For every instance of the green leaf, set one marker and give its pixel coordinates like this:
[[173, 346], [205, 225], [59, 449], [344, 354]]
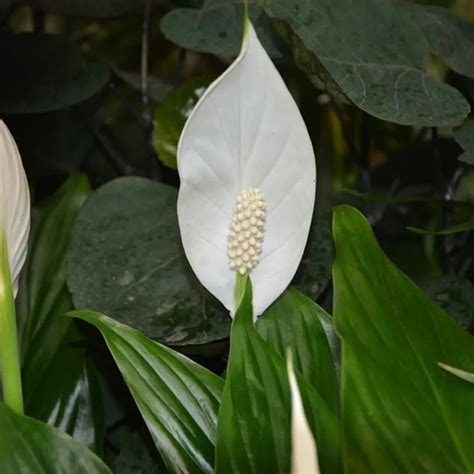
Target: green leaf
[[171, 115], [45, 72], [30, 446], [295, 322], [253, 431], [89, 8], [216, 28], [465, 137], [379, 71], [177, 398], [449, 37], [43, 297], [127, 261], [400, 412], [71, 399]]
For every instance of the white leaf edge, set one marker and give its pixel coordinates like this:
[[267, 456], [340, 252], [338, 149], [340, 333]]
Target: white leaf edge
[[304, 455], [246, 131], [14, 204]]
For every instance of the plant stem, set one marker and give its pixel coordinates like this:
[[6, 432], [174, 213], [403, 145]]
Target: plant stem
[[9, 355]]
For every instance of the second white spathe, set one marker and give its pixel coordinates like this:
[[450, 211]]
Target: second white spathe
[[14, 204]]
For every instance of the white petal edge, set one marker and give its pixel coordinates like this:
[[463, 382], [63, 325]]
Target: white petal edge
[[246, 131], [304, 457], [14, 204]]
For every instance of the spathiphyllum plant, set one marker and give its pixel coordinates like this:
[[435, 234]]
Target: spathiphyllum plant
[[14, 229], [248, 180]]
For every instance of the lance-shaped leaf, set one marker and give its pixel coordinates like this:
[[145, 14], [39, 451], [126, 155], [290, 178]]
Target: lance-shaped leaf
[[303, 446], [245, 133], [14, 204]]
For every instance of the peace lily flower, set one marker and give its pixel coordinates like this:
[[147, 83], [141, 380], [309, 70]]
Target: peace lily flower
[[304, 457], [248, 180], [14, 230], [14, 204]]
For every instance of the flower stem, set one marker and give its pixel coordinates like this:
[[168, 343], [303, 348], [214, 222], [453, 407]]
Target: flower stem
[[9, 356], [239, 288]]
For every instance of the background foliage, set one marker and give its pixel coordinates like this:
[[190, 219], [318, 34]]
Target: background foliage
[[96, 94]]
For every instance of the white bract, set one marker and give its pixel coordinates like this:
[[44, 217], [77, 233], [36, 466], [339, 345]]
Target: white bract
[[248, 180], [304, 457], [14, 205]]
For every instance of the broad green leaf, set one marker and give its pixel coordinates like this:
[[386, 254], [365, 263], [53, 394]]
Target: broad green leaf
[[217, 28], [400, 412], [462, 374], [177, 398], [170, 117], [43, 297], [127, 261], [45, 72], [71, 399], [253, 431], [380, 72], [449, 37], [465, 137], [89, 8], [296, 322], [30, 446]]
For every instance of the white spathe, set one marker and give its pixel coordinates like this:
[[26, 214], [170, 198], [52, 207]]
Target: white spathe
[[246, 132], [304, 457], [14, 204]]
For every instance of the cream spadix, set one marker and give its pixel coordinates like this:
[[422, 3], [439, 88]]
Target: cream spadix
[[14, 204], [246, 139], [304, 457]]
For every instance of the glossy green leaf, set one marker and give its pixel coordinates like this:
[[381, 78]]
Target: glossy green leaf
[[449, 37], [380, 72], [400, 412], [43, 298], [296, 322], [71, 400], [465, 137], [170, 117], [45, 72], [178, 399], [127, 261], [217, 28], [30, 446], [253, 431]]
